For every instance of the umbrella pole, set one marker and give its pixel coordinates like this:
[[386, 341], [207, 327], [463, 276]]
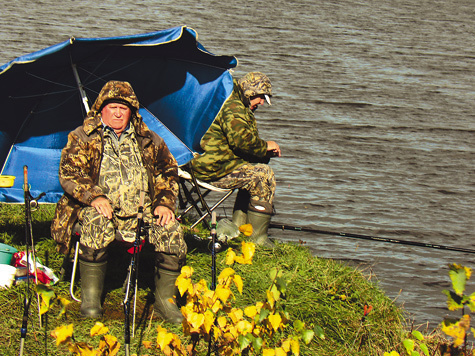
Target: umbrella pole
[[80, 87]]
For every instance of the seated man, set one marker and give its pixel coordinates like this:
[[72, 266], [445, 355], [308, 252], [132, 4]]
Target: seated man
[[105, 165], [236, 157]]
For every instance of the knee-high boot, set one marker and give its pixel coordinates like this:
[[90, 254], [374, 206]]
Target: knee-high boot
[[259, 215], [166, 291], [240, 208], [92, 285]]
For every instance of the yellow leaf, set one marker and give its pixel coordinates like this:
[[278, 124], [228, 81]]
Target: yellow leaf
[[270, 298], [244, 327], [275, 321], [183, 284], [187, 271], [201, 287], [209, 320], [196, 320], [268, 352], [225, 273], [81, 348], [286, 345], [44, 308], [222, 322], [251, 311], [222, 293], [280, 352], [217, 306], [236, 315], [238, 282], [161, 329], [164, 339], [109, 344], [99, 329], [64, 303], [295, 347], [62, 334], [248, 249], [457, 330], [246, 229], [176, 341], [230, 256]]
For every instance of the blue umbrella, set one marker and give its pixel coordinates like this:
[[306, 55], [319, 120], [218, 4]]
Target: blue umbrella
[[46, 94]]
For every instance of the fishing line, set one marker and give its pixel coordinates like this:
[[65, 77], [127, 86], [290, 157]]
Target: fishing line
[[366, 237]]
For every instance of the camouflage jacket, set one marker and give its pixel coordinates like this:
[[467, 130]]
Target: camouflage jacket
[[80, 167], [231, 141]]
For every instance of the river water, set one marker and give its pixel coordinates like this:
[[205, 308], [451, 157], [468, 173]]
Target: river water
[[374, 110]]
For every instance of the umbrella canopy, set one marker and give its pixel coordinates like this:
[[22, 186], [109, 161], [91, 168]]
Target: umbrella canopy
[[46, 94]]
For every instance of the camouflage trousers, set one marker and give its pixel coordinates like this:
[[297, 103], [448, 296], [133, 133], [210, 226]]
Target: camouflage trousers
[[98, 232], [258, 179]]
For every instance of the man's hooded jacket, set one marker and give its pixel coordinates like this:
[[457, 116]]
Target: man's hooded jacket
[[81, 161]]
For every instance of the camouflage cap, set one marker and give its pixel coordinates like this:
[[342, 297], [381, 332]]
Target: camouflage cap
[[256, 83], [116, 91]]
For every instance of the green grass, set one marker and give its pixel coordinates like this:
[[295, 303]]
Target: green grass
[[321, 292]]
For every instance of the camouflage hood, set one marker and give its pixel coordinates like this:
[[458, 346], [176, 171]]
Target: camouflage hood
[[112, 91], [255, 83], [115, 91]]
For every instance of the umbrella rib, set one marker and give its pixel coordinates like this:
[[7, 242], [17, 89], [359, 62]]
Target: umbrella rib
[[51, 81], [96, 77]]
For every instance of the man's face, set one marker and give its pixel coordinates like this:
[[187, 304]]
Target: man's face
[[255, 101], [116, 116]]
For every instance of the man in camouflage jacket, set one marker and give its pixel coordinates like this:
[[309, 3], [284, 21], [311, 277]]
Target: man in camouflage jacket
[[106, 164], [236, 157]]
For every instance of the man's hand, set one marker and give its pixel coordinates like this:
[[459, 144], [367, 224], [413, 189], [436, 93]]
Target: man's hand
[[273, 148], [163, 215], [102, 206]]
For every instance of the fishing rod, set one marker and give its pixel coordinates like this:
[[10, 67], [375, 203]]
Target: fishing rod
[[30, 202], [131, 287], [212, 345], [373, 238]]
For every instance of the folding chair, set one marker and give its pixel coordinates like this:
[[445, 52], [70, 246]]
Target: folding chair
[[195, 198]]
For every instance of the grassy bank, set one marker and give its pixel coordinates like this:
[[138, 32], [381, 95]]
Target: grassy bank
[[324, 294]]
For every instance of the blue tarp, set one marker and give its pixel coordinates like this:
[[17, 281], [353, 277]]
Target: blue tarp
[[180, 85]]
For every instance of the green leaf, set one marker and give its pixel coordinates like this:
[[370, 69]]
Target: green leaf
[[281, 284], [274, 273], [307, 336], [415, 353], [319, 332], [263, 315], [418, 335], [458, 275], [471, 302], [409, 345], [298, 325], [257, 343], [424, 349], [47, 297], [244, 341], [275, 292]]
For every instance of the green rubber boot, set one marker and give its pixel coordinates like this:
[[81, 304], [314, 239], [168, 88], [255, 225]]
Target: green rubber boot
[[165, 290], [92, 285], [240, 208], [260, 224], [239, 218]]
